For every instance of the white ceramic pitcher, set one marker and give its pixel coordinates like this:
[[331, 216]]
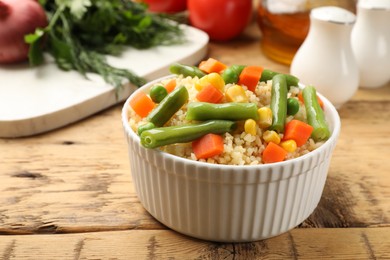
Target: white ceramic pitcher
[[325, 59], [371, 42]]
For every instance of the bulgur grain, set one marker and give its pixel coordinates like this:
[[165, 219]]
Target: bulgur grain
[[240, 148]]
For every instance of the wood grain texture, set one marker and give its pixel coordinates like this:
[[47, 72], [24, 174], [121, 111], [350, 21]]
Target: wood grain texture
[[363, 243], [76, 180], [48, 180]]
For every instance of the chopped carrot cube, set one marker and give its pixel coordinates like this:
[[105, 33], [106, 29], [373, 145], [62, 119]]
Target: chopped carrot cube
[[208, 146], [142, 104], [298, 131], [250, 77], [212, 65], [171, 85], [273, 153], [210, 94]]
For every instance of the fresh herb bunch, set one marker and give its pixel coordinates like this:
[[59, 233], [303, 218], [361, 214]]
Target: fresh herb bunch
[[81, 32]]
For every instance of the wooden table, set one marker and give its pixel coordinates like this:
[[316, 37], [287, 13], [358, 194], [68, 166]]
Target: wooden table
[[68, 194]]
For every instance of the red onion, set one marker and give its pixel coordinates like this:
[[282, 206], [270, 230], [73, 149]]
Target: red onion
[[18, 18]]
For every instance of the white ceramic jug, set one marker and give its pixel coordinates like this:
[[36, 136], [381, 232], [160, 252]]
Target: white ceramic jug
[[371, 42], [325, 59]]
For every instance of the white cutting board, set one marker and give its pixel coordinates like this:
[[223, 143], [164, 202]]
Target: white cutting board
[[37, 100]]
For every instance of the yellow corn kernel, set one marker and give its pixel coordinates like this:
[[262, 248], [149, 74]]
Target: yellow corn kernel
[[214, 79], [265, 117], [250, 126], [271, 136], [289, 145], [236, 94]]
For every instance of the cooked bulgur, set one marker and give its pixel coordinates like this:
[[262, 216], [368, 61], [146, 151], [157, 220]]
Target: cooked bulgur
[[240, 148]]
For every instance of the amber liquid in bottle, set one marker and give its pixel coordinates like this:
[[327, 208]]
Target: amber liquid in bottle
[[282, 33]]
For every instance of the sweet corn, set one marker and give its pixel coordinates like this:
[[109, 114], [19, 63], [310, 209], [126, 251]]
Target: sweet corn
[[236, 94], [250, 126], [265, 117], [271, 136], [214, 79], [289, 145]]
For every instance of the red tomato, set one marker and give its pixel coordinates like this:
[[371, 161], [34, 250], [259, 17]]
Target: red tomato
[[166, 6], [221, 19]]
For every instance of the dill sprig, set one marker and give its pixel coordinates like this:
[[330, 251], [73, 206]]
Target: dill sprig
[[82, 32]]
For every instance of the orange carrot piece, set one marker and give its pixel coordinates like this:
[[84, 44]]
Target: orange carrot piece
[[250, 76], [171, 85], [212, 65], [208, 146], [298, 131], [273, 153], [320, 102], [210, 94], [142, 104]]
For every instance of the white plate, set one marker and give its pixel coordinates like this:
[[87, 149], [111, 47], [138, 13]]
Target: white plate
[[37, 100]]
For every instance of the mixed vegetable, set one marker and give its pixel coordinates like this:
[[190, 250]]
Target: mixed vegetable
[[222, 105]]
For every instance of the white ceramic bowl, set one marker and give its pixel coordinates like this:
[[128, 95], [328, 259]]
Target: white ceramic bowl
[[229, 203]]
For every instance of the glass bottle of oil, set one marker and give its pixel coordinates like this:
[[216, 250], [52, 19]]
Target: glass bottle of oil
[[285, 23]]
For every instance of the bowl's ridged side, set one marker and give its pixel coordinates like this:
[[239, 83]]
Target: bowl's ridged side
[[221, 204], [228, 203]]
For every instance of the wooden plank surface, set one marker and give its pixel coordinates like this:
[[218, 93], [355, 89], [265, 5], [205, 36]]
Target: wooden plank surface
[[77, 180], [363, 243]]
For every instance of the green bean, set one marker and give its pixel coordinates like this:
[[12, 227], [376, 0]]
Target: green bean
[[184, 133], [168, 106], [315, 114], [186, 70], [292, 106], [268, 75], [157, 93], [232, 74], [227, 111], [278, 102], [144, 127]]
